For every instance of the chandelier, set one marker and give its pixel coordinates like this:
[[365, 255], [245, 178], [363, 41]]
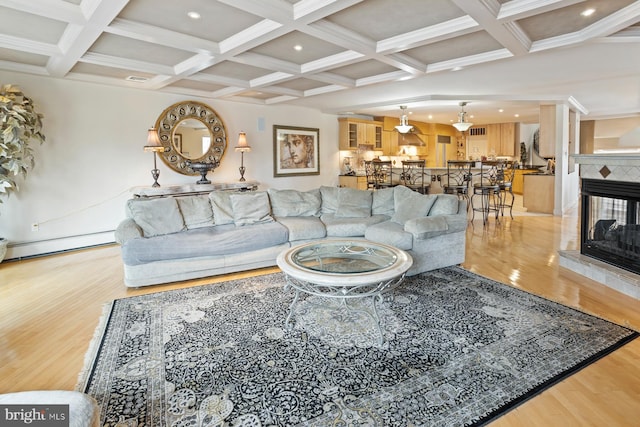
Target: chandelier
[[404, 126], [462, 125]]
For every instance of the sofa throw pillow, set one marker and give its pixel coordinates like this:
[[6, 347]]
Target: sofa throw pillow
[[221, 207], [383, 201], [294, 203], [196, 211], [157, 216], [329, 197], [446, 204], [250, 208], [414, 205], [353, 203]]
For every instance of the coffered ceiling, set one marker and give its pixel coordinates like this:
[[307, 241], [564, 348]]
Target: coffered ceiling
[[364, 57]]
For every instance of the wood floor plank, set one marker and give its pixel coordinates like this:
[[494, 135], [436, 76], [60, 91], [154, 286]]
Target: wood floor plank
[[50, 307]]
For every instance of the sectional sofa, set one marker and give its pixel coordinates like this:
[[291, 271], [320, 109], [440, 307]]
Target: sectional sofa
[[179, 238]]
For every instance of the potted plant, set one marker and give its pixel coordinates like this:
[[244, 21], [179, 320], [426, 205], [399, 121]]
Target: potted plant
[[20, 125]]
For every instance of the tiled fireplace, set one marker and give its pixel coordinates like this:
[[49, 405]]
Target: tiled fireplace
[[609, 222]]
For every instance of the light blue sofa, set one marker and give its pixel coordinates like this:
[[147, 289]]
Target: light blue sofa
[[179, 238]]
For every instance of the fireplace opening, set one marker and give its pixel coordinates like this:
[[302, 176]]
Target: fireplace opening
[[610, 226]]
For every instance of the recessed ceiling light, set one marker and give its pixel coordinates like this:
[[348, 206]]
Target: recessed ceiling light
[[500, 110], [516, 115], [457, 68], [193, 15], [588, 12], [430, 117], [297, 47]]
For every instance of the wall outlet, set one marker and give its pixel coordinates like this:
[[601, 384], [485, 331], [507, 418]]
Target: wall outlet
[[35, 226]]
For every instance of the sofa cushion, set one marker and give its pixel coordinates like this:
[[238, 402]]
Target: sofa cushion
[[446, 204], [427, 227], [390, 233], [250, 208], [329, 199], [156, 216], [349, 227], [383, 201], [285, 203], [413, 205], [303, 227], [220, 240], [196, 211], [221, 206], [353, 203]]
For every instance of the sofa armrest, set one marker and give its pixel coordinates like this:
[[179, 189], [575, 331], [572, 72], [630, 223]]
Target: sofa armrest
[[127, 230]]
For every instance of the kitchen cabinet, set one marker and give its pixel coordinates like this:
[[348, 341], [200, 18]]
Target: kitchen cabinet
[[547, 132], [354, 132], [539, 193], [502, 138], [353, 181]]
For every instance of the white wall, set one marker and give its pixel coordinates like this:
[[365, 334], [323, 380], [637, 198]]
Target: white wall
[[93, 156]]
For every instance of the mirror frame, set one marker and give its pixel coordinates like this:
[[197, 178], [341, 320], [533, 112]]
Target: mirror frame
[[167, 123]]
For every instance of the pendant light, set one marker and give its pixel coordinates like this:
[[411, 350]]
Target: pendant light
[[462, 125], [404, 126]]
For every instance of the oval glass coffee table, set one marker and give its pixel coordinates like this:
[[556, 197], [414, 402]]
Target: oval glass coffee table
[[344, 269]]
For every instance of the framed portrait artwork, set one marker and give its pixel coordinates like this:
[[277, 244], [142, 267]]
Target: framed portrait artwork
[[295, 151]]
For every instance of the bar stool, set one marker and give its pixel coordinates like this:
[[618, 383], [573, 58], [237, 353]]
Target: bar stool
[[506, 186], [486, 192], [413, 176], [382, 173], [457, 179]]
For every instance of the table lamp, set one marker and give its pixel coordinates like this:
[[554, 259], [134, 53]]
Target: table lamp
[[154, 145], [242, 147]]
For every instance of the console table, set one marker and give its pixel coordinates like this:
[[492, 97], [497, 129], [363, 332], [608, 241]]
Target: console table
[[187, 189]]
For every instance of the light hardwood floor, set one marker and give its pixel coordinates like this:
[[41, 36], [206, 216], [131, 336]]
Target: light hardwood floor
[[50, 306]]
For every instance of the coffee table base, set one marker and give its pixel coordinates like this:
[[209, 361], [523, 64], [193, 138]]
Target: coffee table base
[[374, 291]]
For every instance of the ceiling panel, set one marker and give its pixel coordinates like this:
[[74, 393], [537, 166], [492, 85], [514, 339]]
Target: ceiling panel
[[124, 47], [217, 21], [381, 19], [545, 25], [283, 48], [469, 44], [40, 28]]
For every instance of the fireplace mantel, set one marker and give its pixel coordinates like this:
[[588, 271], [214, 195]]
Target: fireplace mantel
[[610, 167], [607, 159]]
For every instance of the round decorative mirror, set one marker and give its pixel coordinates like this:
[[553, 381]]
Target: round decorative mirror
[[191, 132]]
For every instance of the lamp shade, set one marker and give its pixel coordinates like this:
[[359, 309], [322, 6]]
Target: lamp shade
[[242, 143], [462, 126], [153, 141]]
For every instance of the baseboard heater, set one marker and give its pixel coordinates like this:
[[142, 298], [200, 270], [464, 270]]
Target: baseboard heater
[[25, 250]]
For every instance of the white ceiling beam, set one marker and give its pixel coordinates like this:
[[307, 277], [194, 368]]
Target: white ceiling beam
[[331, 78], [270, 79], [509, 34], [266, 62], [126, 64], [332, 61], [469, 60], [520, 9], [161, 36], [27, 45], [77, 40], [432, 34]]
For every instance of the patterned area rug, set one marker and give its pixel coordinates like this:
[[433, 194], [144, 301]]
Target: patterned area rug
[[458, 349]]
